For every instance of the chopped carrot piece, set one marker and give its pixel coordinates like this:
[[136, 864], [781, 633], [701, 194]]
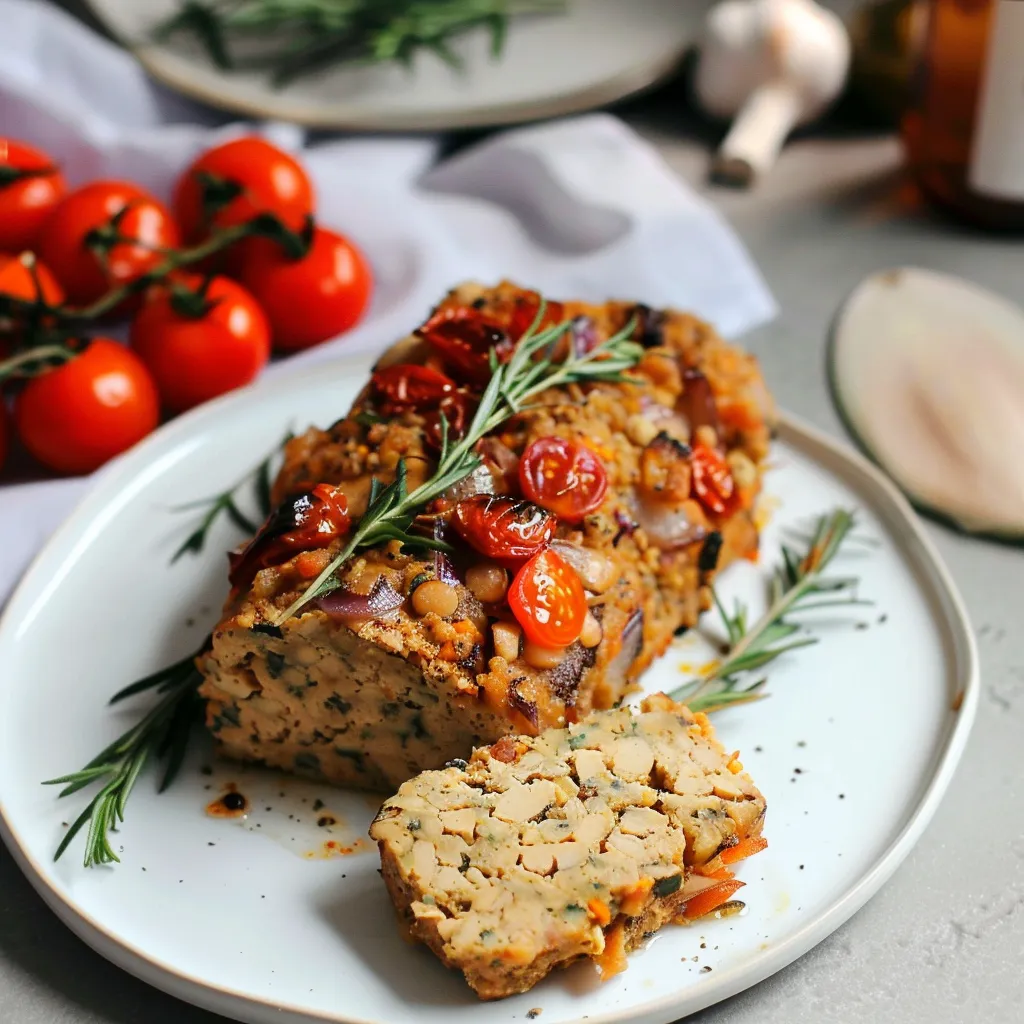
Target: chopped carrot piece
[[612, 960], [599, 912], [311, 563], [635, 897], [744, 849], [722, 874], [710, 899]]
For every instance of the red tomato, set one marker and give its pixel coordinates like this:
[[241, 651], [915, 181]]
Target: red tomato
[[232, 183], [458, 409], [304, 523], [565, 478], [77, 416], [81, 243], [310, 299], [462, 337], [195, 355], [24, 277], [504, 529], [525, 312], [31, 186], [713, 484], [548, 600], [408, 386]]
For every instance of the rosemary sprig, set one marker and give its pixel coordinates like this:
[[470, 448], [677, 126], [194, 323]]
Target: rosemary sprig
[[529, 372], [752, 646], [162, 733], [226, 503], [290, 38]]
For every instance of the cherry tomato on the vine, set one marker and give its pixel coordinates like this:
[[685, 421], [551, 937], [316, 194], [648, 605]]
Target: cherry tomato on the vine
[[199, 343], [409, 386], [504, 529], [565, 478], [713, 484], [24, 277], [548, 600], [462, 337], [304, 523], [76, 416], [31, 186], [232, 183], [311, 298], [105, 235]]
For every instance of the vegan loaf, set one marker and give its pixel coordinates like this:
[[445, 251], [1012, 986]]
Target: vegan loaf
[[540, 851], [370, 695]]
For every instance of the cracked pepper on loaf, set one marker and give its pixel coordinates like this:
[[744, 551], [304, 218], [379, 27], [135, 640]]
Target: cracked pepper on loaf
[[584, 541]]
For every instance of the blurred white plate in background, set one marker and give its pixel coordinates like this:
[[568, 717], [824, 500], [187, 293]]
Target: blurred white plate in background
[[595, 53]]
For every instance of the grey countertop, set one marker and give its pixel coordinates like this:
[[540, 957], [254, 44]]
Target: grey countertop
[[943, 942]]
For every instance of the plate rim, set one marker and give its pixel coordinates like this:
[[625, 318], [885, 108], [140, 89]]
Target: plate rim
[[159, 62], [887, 501]]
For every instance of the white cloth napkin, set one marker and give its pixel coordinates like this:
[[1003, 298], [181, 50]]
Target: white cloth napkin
[[574, 208]]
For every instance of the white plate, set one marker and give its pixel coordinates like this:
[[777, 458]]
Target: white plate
[[853, 751], [597, 52]]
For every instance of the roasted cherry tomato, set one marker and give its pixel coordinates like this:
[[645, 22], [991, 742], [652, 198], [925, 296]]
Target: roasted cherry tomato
[[525, 312], [310, 299], [77, 416], [565, 478], [232, 183], [548, 600], [458, 409], [713, 484], [463, 337], [304, 523], [409, 386], [31, 186], [200, 342], [504, 529], [105, 235]]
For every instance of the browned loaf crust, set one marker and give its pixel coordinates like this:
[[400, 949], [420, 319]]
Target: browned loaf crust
[[369, 703], [578, 843]]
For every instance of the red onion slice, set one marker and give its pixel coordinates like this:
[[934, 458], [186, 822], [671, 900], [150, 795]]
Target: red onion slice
[[444, 570], [667, 526], [480, 481], [346, 604], [697, 402], [617, 670]]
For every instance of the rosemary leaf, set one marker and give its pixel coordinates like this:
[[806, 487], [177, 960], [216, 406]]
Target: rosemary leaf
[[162, 734], [258, 478], [751, 647]]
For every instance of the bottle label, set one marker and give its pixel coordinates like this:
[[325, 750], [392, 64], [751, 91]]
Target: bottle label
[[997, 151]]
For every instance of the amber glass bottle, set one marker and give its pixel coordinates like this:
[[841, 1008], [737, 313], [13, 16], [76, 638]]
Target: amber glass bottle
[[964, 127]]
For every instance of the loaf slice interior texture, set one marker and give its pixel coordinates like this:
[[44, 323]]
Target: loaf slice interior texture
[[416, 659], [576, 843]]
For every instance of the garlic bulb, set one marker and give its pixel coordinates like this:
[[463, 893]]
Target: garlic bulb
[[771, 65]]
